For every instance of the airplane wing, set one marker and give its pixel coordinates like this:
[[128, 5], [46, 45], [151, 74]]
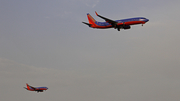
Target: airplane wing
[[33, 87], [112, 22]]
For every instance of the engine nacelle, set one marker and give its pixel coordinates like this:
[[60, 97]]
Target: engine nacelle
[[126, 27]]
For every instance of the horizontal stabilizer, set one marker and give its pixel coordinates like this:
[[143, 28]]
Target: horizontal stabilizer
[[87, 24], [25, 88]]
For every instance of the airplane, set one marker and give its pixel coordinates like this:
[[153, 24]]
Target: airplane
[[38, 89], [116, 24]]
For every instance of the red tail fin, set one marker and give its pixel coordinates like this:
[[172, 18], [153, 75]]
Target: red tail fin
[[27, 86], [91, 20]]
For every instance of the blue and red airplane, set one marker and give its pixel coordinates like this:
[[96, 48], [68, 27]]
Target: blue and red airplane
[[38, 89], [116, 24]]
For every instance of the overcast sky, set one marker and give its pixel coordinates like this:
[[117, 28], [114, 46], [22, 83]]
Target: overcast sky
[[44, 43]]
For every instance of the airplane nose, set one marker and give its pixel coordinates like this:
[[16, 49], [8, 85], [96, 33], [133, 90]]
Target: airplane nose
[[146, 20]]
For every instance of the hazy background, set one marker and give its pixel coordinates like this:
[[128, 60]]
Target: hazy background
[[44, 43]]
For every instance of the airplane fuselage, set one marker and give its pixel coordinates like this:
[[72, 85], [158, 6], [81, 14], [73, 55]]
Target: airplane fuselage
[[129, 21], [37, 88]]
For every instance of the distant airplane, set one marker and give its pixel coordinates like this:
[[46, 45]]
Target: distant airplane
[[38, 89], [116, 24]]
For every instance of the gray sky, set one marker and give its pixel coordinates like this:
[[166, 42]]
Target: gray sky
[[44, 43]]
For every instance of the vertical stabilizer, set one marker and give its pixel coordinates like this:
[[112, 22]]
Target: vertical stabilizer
[[27, 86], [91, 20]]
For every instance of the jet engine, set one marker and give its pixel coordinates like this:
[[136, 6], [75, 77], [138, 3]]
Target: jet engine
[[126, 27]]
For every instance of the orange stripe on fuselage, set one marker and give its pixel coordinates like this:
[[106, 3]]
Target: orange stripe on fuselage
[[134, 22], [104, 27]]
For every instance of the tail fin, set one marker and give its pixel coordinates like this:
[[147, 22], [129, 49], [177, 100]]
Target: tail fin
[[27, 86], [91, 20]]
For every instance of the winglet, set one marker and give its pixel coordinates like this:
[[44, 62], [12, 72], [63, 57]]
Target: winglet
[[96, 13]]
